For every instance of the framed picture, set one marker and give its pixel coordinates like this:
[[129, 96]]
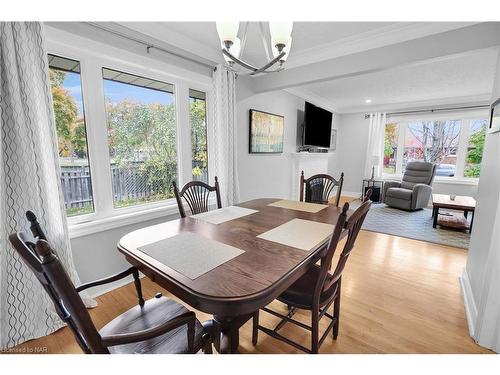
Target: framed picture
[[495, 117], [266, 132]]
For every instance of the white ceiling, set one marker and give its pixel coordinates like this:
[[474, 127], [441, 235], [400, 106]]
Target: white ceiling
[[466, 77], [454, 79]]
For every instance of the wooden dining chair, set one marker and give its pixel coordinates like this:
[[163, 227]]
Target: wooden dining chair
[[196, 195], [159, 325], [318, 289], [318, 188]]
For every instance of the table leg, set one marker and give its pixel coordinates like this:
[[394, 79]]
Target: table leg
[[472, 221], [435, 214], [225, 332]]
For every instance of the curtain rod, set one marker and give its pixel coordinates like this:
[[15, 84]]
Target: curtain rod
[[367, 115], [147, 44]]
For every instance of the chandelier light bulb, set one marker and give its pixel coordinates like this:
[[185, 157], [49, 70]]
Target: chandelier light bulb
[[281, 32], [227, 31], [234, 50], [286, 49]]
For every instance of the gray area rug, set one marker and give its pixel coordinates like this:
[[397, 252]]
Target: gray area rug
[[416, 225]]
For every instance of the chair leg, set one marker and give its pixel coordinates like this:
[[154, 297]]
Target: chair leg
[[138, 288], [315, 331], [207, 343], [336, 315], [255, 328]]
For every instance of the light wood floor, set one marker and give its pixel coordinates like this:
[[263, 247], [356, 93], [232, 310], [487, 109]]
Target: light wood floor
[[398, 296]]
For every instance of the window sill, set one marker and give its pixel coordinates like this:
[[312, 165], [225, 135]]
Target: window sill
[[122, 219]]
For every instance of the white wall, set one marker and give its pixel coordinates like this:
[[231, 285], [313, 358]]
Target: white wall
[[352, 140], [267, 175], [481, 279]]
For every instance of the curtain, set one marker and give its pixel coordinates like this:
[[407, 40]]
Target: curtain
[[375, 147], [223, 128], [29, 180]]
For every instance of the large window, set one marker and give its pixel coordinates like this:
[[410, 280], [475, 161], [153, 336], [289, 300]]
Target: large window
[[142, 141], [455, 145], [72, 135], [198, 122]]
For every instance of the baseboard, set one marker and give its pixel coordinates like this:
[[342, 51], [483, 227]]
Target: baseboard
[[469, 302]]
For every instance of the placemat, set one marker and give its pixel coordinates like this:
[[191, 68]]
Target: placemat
[[190, 254], [299, 206], [222, 215], [302, 234]]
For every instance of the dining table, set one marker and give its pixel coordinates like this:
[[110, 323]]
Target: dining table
[[235, 289]]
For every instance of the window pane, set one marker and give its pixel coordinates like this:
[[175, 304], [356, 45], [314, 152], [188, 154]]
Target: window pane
[[390, 148], [198, 121], [72, 135], [141, 136], [475, 145], [435, 142]]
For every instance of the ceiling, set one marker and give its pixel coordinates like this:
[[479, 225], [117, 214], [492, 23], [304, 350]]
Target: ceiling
[[450, 77]]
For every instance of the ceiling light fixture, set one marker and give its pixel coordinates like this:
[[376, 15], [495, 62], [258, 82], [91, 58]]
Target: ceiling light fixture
[[232, 46], [368, 101]]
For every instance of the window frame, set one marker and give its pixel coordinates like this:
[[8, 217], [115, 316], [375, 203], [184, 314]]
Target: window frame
[[465, 118], [92, 61]]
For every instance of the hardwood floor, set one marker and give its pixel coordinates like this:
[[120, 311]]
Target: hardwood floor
[[399, 296]]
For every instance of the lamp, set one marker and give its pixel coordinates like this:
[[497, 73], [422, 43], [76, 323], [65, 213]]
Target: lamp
[[281, 33], [234, 50], [227, 32], [375, 163]]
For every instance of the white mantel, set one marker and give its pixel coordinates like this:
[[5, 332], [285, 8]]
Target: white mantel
[[311, 163]]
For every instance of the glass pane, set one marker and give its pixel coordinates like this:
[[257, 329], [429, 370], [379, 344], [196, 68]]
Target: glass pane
[[141, 138], [390, 148], [475, 145], [198, 121], [435, 142], [67, 98]]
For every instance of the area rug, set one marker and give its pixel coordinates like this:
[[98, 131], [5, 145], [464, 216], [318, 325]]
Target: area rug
[[416, 225]]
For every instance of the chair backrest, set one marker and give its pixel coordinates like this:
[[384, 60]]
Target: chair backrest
[[418, 172], [327, 281], [196, 194], [49, 271], [319, 187]]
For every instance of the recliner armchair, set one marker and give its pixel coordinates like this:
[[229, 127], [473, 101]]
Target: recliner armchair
[[414, 191]]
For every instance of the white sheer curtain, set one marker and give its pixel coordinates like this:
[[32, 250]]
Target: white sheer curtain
[[29, 180], [223, 134], [375, 146]]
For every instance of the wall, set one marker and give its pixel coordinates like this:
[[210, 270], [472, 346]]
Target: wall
[[481, 278], [352, 140], [266, 175]]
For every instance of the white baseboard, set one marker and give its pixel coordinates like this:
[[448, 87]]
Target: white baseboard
[[469, 302], [354, 194]]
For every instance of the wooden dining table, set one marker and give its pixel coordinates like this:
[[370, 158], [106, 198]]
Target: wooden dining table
[[233, 291]]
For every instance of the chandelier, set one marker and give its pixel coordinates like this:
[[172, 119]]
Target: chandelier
[[232, 46]]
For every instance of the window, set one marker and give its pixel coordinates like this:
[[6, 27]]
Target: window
[[67, 99], [390, 148], [142, 140], [435, 142], [454, 144], [198, 122], [475, 145]]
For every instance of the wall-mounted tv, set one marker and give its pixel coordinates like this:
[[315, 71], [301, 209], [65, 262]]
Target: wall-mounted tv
[[317, 126]]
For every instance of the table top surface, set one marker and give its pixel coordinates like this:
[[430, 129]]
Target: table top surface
[[460, 202], [261, 273]]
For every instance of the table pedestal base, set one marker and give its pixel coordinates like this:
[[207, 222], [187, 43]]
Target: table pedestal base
[[225, 332]]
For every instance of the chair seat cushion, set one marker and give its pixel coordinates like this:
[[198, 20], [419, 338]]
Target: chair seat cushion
[[399, 193], [300, 293], [155, 311]]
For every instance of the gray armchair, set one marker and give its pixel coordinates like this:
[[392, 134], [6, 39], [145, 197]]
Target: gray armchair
[[414, 191]]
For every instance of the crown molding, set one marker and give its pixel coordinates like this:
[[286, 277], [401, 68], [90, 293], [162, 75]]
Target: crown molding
[[391, 34]]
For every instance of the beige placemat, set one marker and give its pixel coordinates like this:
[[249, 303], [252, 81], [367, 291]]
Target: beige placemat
[[299, 206], [302, 234], [224, 214], [190, 254]]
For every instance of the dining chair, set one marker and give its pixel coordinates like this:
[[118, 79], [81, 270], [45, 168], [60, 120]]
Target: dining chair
[[318, 188], [159, 325], [318, 289], [196, 195]]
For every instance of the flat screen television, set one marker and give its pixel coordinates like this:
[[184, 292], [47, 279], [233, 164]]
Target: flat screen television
[[317, 126]]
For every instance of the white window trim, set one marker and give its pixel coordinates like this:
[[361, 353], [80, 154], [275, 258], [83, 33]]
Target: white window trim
[[92, 60], [465, 119]]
